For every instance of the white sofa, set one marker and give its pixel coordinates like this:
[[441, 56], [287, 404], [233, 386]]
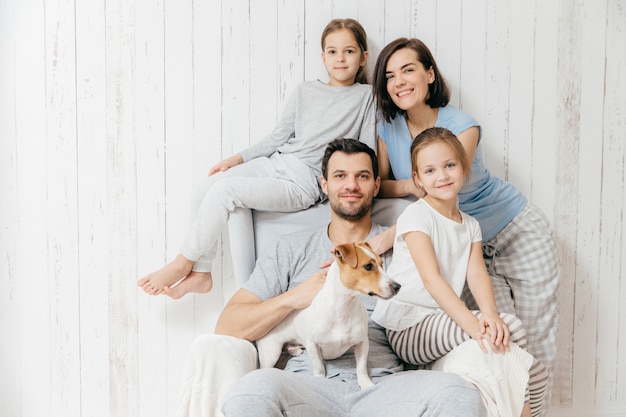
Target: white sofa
[[251, 231]]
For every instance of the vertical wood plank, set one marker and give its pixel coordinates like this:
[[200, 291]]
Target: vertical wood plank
[[149, 118], [447, 49], [207, 144], [345, 8], [611, 251], [425, 25], [290, 47], [33, 289], [397, 19], [371, 16], [471, 61], [264, 61], [93, 242], [545, 104], [591, 59], [178, 107], [616, 47], [566, 210], [62, 202], [236, 73], [520, 100], [10, 381], [496, 133], [121, 207], [316, 16]]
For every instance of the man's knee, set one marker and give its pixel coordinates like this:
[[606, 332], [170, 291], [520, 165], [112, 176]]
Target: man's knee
[[434, 394], [220, 353], [458, 399], [256, 393]]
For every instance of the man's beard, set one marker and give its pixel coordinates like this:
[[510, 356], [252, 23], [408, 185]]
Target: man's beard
[[356, 213]]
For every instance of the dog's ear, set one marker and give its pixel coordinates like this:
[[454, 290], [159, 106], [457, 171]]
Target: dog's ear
[[346, 253], [367, 245]]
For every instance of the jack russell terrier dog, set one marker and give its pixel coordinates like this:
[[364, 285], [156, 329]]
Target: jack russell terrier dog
[[336, 320]]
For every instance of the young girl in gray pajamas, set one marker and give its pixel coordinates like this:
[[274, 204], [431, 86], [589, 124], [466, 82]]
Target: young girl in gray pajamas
[[437, 248], [281, 172]]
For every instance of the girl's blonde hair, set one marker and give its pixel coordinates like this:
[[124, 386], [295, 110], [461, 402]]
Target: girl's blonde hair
[[360, 36], [443, 135]]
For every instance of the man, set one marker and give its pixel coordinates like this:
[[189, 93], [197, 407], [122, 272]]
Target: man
[[287, 279]]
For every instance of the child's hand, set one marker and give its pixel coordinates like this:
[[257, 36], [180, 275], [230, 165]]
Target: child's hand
[[479, 337], [495, 331], [226, 164]]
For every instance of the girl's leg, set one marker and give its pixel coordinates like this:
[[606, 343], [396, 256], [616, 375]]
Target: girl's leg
[[195, 282], [538, 387], [438, 334], [172, 272], [268, 192], [428, 340], [538, 379], [260, 184], [177, 269]]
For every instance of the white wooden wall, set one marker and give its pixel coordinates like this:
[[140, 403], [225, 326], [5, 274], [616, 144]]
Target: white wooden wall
[[110, 110]]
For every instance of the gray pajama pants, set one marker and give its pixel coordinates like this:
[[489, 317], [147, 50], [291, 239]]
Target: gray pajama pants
[[271, 392], [278, 183], [220, 375]]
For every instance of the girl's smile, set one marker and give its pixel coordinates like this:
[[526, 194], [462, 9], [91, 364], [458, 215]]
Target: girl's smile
[[439, 172]]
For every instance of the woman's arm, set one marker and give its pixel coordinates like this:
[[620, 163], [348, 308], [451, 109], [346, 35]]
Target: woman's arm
[[469, 140], [389, 187]]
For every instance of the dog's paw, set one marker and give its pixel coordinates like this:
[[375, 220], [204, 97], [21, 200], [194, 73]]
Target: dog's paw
[[294, 349], [365, 383]]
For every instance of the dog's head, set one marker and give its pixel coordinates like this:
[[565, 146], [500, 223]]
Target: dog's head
[[360, 269]]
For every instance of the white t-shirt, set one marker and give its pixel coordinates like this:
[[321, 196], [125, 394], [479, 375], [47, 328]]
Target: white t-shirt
[[451, 241]]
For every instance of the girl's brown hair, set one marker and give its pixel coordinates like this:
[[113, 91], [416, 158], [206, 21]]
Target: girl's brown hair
[[360, 36]]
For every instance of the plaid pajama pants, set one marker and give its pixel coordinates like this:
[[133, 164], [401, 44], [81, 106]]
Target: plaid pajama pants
[[523, 264]]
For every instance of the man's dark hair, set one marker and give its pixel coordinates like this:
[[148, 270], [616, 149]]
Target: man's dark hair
[[348, 146]]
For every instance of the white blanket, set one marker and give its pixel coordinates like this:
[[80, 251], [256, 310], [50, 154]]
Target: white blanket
[[500, 378]]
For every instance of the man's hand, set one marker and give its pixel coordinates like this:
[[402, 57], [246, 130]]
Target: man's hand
[[304, 293]]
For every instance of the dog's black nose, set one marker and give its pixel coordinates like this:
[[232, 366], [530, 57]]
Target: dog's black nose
[[395, 287]]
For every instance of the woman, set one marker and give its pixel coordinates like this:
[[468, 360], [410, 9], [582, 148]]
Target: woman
[[518, 246]]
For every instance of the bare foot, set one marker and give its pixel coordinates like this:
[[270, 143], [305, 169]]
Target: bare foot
[[199, 282], [171, 273]]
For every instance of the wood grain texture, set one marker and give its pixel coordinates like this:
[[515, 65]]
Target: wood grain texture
[[111, 111]]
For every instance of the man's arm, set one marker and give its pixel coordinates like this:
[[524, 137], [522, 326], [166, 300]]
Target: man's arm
[[248, 317]]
